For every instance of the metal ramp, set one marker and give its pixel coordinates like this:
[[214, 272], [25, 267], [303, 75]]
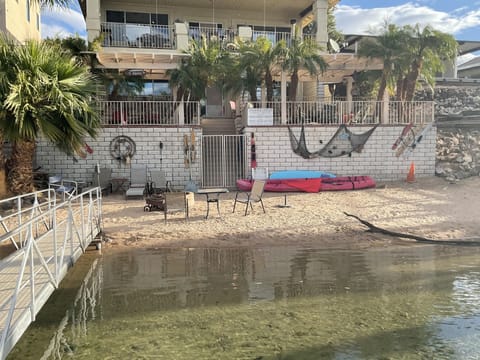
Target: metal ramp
[[48, 237]]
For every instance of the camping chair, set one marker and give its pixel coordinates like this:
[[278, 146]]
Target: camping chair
[[62, 186], [158, 182], [254, 196], [176, 202], [102, 179], [138, 180]]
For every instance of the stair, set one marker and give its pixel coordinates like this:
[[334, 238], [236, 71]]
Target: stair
[[218, 126]]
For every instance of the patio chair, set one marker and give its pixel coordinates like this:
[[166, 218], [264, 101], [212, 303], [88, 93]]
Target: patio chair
[[101, 179], [254, 196], [66, 188], [176, 202], [138, 181], [159, 183]]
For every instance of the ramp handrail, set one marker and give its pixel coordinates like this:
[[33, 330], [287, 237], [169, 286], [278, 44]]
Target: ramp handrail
[[47, 243]]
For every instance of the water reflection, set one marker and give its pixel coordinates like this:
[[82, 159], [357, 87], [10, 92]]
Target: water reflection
[[285, 302]]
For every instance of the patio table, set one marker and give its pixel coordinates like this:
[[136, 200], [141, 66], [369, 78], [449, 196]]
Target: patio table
[[212, 196]]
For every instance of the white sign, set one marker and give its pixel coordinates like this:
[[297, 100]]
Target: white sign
[[260, 116]]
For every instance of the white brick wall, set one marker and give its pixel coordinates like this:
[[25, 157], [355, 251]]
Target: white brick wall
[[273, 150], [147, 141]]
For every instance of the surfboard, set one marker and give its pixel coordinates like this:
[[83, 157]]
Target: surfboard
[[404, 133], [301, 174], [409, 139]]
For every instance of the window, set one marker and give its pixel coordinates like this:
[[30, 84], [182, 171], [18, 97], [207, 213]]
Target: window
[[136, 18]]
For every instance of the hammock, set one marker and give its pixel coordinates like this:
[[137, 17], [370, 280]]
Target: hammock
[[344, 142]]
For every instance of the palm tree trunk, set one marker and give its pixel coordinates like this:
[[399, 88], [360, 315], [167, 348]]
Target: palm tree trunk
[[269, 85], [383, 86], [293, 86], [3, 180], [412, 80], [20, 177]]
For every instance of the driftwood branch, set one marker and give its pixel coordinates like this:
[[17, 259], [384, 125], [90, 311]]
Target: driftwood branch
[[375, 229]]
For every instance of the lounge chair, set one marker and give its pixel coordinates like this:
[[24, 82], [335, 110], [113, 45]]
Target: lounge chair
[[138, 181], [159, 183], [102, 179], [66, 188], [254, 196]]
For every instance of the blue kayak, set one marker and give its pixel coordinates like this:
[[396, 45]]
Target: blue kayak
[[301, 174]]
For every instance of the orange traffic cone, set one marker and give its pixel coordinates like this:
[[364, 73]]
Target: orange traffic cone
[[411, 173]]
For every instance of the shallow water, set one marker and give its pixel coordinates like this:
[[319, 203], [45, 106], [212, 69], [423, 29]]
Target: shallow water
[[407, 302]]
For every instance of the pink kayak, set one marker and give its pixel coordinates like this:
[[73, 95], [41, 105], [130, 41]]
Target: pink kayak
[[284, 185], [347, 183]]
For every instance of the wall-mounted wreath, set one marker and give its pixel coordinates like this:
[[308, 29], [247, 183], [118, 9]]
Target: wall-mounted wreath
[[122, 148]]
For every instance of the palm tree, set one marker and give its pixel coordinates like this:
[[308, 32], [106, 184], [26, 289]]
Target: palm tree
[[388, 46], [201, 69], [261, 56], [43, 93], [302, 54], [427, 51]]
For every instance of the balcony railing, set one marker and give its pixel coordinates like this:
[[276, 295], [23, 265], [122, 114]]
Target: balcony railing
[[175, 113], [137, 35], [353, 112], [145, 113], [211, 34], [273, 36]]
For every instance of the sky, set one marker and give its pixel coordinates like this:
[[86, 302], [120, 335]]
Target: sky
[[460, 18]]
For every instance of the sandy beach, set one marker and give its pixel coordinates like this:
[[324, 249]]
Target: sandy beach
[[429, 207]]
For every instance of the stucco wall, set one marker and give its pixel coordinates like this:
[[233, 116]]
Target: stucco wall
[[273, 150]]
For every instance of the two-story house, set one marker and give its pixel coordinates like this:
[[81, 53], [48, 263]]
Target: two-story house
[[20, 19]]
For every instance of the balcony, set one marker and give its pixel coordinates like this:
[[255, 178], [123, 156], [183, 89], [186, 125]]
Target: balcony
[[137, 36], [164, 37]]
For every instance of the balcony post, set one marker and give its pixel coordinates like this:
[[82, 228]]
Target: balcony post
[[320, 14], [181, 113], [283, 98], [349, 83], [181, 33]]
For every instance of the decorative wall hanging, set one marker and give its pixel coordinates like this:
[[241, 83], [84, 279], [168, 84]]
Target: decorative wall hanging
[[122, 148]]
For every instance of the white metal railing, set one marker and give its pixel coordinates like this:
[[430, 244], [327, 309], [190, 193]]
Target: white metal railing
[[349, 112], [137, 35], [131, 113], [273, 36], [32, 272], [211, 34]]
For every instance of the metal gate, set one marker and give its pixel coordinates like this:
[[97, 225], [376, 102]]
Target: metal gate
[[223, 160]]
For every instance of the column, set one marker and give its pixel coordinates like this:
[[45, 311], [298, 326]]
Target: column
[[283, 97], [320, 8], [92, 20]]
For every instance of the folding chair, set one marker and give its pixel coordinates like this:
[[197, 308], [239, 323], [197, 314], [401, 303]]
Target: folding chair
[[254, 196], [61, 186]]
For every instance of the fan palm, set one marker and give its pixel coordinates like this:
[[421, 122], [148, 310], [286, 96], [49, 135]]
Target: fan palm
[[43, 93]]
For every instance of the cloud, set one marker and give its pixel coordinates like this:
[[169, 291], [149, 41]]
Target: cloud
[[62, 23], [355, 20]]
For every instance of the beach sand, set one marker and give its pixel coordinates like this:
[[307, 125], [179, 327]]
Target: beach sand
[[429, 207]]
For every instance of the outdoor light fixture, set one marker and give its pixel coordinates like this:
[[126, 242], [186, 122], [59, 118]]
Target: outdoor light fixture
[[134, 72]]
